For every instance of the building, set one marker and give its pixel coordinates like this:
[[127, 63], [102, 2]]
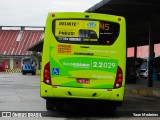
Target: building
[[15, 41]]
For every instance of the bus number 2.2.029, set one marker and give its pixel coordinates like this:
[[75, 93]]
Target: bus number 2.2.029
[[103, 65]]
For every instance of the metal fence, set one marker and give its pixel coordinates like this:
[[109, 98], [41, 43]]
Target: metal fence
[[16, 70]]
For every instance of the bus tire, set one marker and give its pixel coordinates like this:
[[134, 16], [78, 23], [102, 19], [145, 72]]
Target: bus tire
[[54, 104], [113, 108], [49, 104], [59, 106], [119, 103]]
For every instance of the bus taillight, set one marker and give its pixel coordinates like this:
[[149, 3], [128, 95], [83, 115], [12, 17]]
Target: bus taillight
[[46, 74], [119, 78]]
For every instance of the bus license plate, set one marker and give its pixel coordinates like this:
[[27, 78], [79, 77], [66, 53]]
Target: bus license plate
[[83, 81]]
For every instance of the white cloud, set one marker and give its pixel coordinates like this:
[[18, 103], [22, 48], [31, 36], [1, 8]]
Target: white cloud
[[73, 5], [34, 12]]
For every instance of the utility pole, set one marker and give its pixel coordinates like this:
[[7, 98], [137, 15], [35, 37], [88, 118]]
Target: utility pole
[[151, 54]]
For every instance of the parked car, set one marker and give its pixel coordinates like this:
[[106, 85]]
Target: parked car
[[143, 69], [28, 66], [2, 65]]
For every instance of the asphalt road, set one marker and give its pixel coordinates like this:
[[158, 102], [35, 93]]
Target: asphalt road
[[19, 95]]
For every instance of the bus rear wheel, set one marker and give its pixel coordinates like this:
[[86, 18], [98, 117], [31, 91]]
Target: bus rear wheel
[[49, 104], [54, 104]]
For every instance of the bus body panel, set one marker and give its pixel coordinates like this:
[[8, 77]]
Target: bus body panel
[[83, 69]]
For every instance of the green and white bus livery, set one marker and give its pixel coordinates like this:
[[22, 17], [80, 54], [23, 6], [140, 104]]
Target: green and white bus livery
[[84, 57]]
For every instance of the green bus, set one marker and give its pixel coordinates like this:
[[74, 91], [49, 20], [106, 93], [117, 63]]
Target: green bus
[[84, 57]]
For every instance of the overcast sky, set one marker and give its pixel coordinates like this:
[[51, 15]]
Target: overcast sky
[[34, 12]]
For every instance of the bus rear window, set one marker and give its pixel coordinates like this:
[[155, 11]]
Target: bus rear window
[[85, 32]]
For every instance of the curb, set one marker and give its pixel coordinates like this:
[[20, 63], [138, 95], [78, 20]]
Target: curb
[[144, 92]]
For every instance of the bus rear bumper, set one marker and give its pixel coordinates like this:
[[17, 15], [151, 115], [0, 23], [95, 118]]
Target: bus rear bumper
[[48, 91]]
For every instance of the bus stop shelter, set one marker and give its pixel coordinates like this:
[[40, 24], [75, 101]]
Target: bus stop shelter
[[142, 22]]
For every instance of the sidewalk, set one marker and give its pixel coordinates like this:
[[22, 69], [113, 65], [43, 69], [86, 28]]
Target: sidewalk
[[142, 90]]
